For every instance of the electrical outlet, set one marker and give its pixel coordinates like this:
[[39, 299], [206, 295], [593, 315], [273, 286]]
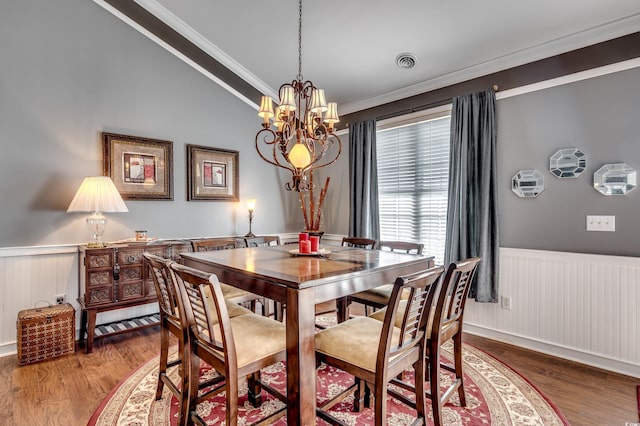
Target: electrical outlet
[[505, 302], [60, 299], [601, 223]]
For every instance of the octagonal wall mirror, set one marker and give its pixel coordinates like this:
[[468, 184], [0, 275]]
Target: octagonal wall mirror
[[527, 183], [567, 163], [615, 179]]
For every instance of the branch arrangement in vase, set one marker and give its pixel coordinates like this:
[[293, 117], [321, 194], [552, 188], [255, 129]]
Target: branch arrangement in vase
[[311, 210]]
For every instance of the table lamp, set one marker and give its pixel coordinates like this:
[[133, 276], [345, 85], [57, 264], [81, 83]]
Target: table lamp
[[97, 194]]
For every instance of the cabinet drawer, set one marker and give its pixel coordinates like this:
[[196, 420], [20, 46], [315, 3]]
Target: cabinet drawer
[[131, 290], [99, 295], [100, 278], [130, 273], [97, 259], [130, 256]]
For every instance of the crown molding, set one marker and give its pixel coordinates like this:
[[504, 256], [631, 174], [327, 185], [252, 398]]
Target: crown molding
[[133, 24], [206, 45], [540, 51], [574, 41]]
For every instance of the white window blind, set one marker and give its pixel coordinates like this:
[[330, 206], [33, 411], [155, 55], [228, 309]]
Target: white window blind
[[413, 175]]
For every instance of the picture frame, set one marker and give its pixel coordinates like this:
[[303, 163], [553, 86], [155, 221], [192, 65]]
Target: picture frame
[[141, 168], [212, 174]]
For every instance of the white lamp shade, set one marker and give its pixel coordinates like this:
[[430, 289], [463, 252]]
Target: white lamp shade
[[97, 194], [318, 101], [266, 107], [332, 113], [287, 99]]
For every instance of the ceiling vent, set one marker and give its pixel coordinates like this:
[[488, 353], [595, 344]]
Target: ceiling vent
[[406, 60]]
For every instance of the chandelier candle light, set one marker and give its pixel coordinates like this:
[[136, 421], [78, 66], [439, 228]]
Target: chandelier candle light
[[304, 128]]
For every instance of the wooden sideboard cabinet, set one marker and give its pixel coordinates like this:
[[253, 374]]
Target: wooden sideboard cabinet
[[114, 277]]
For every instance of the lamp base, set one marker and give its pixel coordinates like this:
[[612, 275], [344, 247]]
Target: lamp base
[[250, 235], [96, 223], [96, 245]]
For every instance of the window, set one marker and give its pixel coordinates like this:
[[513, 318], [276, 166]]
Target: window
[[413, 176]]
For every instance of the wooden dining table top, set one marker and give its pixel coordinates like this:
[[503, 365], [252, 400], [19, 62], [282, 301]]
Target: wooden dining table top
[[281, 266]]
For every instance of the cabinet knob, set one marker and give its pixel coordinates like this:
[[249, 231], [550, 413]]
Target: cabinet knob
[[131, 259]]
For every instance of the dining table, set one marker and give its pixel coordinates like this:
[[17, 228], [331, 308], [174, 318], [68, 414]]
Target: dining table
[[282, 274]]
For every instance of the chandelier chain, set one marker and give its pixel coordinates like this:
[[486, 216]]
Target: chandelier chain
[[299, 77]]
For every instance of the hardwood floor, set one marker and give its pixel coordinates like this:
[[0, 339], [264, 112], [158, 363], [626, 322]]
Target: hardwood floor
[[66, 391]]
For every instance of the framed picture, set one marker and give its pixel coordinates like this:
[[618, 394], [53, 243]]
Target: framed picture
[[141, 168], [212, 174]]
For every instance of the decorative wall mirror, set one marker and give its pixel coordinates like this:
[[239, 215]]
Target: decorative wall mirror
[[527, 183], [567, 163], [615, 179]]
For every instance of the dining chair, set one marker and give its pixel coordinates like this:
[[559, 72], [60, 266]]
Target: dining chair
[[230, 292], [212, 244], [235, 347], [445, 324], [170, 324], [378, 297], [342, 304], [366, 243], [376, 352], [266, 240]]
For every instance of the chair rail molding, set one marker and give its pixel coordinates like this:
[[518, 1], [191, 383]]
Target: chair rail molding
[[575, 306]]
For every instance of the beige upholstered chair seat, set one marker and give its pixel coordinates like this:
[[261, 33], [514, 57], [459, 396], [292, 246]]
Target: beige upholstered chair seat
[[355, 341], [235, 310], [378, 295], [231, 292], [256, 337]]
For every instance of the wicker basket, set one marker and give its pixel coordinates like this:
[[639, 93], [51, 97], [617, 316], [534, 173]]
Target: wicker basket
[[45, 333]]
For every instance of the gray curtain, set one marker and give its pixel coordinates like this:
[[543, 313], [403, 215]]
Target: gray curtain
[[363, 181], [472, 216]]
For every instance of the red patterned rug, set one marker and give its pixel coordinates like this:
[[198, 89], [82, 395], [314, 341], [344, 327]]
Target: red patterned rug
[[496, 395]]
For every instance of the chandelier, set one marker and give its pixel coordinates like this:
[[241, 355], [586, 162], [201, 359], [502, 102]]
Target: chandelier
[[304, 128]]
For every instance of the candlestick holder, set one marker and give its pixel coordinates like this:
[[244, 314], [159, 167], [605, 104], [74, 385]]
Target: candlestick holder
[[251, 204]]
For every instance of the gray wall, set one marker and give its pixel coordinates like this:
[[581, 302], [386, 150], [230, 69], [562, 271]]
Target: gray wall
[[600, 116], [71, 70]]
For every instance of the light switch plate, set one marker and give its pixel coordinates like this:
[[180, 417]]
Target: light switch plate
[[601, 223]]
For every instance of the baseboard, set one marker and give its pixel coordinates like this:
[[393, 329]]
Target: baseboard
[[582, 357]]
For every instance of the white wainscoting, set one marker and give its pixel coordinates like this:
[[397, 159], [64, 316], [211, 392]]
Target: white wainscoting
[[576, 306], [582, 307], [33, 276]]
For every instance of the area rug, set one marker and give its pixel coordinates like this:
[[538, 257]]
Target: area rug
[[496, 395]]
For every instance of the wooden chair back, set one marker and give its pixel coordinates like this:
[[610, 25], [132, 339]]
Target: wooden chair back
[[164, 287], [457, 283], [422, 288], [447, 325], [204, 312], [401, 246], [266, 240], [366, 243], [211, 244]]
